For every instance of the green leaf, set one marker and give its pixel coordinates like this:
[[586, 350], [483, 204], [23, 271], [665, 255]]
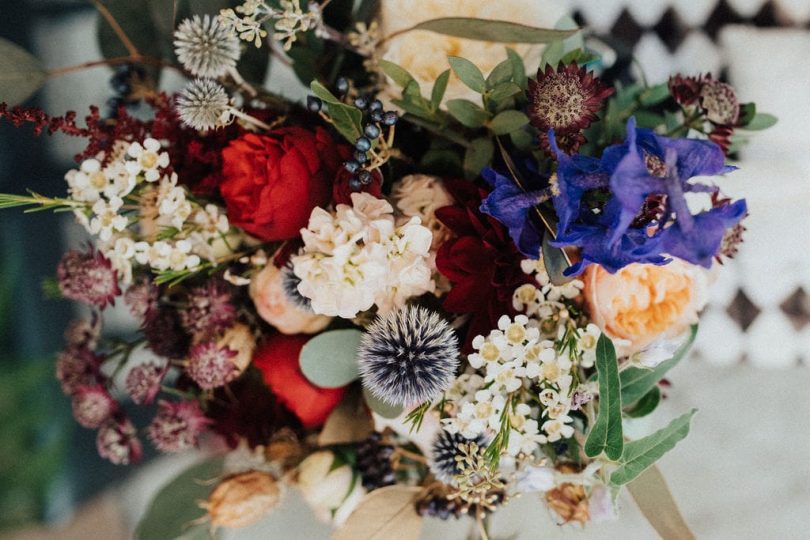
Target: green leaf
[[381, 407], [439, 88], [518, 67], [20, 73], [323, 93], [555, 262], [467, 112], [504, 90], [606, 433], [145, 33], [641, 454], [761, 121], [398, 74], [491, 30], [654, 95], [468, 72], [747, 113], [508, 121], [500, 74], [329, 360], [636, 381], [646, 404], [347, 120], [552, 54], [478, 156], [413, 108], [174, 509]]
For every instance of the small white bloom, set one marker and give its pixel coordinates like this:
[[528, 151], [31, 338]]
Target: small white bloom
[[107, 220], [148, 159]]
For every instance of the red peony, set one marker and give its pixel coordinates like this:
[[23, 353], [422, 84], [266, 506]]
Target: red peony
[[272, 182], [277, 359], [481, 262]]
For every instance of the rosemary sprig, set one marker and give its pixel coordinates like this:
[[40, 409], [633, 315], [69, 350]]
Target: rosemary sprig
[[40, 202]]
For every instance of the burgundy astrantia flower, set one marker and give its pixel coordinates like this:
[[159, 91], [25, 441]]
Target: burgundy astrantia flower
[[734, 236], [142, 299], [208, 311], [83, 332], [716, 99], [481, 262], [165, 335], [177, 425], [88, 277], [143, 382], [566, 99], [77, 366], [117, 441], [93, 405], [212, 366]]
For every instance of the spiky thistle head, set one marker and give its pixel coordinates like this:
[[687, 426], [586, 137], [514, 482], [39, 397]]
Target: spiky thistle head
[[203, 104], [446, 448], [206, 46], [408, 356]]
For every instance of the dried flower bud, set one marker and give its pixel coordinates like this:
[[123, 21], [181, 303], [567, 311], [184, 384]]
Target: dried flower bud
[[569, 501], [92, 406], [242, 499]]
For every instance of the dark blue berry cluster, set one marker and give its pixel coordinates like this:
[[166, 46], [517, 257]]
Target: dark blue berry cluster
[[375, 120]]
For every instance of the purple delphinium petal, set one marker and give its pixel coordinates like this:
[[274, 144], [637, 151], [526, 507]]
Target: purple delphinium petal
[[512, 206], [700, 244]]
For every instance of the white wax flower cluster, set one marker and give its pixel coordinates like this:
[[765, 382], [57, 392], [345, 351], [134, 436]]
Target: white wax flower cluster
[[357, 257], [546, 300], [137, 178]]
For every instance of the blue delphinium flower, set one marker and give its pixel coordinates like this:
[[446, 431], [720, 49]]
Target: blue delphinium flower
[[645, 164], [512, 206]]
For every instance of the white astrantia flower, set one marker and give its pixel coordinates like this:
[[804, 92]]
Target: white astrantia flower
[[357, 257], [204, 104], [206, 46]]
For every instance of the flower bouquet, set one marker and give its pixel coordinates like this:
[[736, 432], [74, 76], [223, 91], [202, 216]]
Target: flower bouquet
[[437, 278]]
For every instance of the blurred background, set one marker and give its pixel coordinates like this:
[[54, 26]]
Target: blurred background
[[742, 473]]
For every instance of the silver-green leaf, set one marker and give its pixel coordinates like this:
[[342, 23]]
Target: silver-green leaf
[[20, 73], [469, 73], [606, 433], [329, 360], [467, 112], [641, 454], [508, 121], [492, 30]]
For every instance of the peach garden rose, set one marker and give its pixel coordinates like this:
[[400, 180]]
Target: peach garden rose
[[642, 304]]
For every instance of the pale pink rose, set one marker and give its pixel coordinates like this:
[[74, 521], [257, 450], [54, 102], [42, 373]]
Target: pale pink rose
[[644, 303], [276, 308]]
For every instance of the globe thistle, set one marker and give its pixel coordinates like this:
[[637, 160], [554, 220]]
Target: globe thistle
[[93, 405], [177, 426], [203, 104], [443, 463], [143, 382], [211, 365], [289, 284], [208, 310], [206, 46], [76, 367], [408, 356], [88, 277], [566, 99], [117, 441]]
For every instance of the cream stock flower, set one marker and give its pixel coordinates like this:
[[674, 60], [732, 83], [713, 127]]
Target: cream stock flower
[[643, 303], [424, 54]]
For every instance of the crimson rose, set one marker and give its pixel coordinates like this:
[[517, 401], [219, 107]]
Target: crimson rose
[[272, 182]]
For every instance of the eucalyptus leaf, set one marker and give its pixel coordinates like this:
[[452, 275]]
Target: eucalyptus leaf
[[646, 404], [20, 73], [518, 67], [642, 453], [508, 121], [478, 156], [504, 90], [652, 495], [637, 381], [500, 74], [761, 121], [439, 88], [606, 433], [174, 510], [380, 407], [654, 95], [329, 360], [145, 33], [467, 112], [397, 73], [492, 30], [469, 73]]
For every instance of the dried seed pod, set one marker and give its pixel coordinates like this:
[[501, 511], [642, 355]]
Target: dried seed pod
[[242, 499]]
